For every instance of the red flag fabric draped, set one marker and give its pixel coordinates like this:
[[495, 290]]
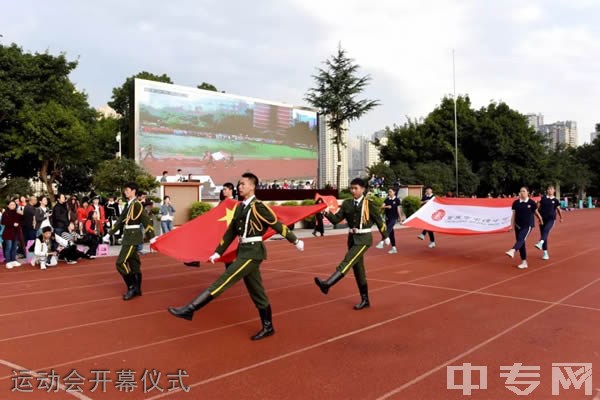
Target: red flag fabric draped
[[331, 202], [196, 240]]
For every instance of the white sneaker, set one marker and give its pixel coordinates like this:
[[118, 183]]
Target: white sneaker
[[71, 262], [545, 256], [539, 245], [393, 250], [42, 265], [523, 265], [32, 262], [431, 245], [379, 245], [510, 253], [10, 265], [16, 264], [421, 236]]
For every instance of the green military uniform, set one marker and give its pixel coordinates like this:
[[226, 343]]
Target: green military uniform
[[128, 262], [250, 223], [360, 218]]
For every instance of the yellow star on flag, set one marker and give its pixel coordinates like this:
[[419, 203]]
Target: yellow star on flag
[[228, 217]]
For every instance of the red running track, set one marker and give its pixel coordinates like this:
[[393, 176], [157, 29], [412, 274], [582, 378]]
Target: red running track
[[462, 302]]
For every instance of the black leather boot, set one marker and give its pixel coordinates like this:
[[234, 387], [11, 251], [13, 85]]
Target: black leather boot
[[187, 311], [138, 283], [267, 324], [131, 287], [332, 280], [364, 298], [192, 264]]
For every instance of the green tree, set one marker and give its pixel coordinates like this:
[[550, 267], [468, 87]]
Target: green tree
[[121, 102], [54, 136], [382, 170], [337, 87], [422, 152], [12, 187], [208, 86], [40, 112], [111, 175], [588, 156], [77, 178], [497, 150]]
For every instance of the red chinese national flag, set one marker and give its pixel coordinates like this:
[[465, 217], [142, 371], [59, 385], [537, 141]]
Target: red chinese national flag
[[331, 202], [197, 240]]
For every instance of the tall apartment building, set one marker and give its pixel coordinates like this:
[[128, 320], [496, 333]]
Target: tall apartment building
[[561, 132], [371, 153], [535, 121], [328, 156], [363, 153], [356, 166]]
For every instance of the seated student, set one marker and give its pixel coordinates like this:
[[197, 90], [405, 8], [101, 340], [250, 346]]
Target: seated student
[[70, 239], [42, 250]]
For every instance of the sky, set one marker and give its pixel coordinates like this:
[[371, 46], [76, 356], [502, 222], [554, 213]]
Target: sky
[[537, 56]]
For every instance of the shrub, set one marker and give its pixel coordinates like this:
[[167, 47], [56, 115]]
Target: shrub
[[198, 208], [345, 194], [290, 203], [410, 204]]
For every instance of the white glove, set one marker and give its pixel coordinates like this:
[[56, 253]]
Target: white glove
[[214, 258], [106, 238], [387, 241], [300, 245]]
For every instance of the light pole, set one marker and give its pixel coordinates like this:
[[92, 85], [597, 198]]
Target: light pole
[[119, 140]]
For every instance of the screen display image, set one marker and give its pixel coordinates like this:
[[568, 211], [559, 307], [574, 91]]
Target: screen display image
[[221, 136]]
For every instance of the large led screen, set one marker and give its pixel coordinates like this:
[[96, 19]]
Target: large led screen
[[221, 136]]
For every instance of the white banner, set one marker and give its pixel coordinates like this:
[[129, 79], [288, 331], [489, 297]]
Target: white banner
[[463, 216]]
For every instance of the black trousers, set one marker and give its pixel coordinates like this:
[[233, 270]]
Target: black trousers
[[521, 235], [319, 226], [90, 241], [431, 235], [71, 253]]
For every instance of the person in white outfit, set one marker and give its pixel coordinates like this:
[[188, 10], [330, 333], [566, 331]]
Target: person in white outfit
[[42, 251]]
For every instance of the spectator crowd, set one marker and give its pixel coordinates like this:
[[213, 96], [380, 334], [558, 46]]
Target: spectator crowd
[[69, 230]]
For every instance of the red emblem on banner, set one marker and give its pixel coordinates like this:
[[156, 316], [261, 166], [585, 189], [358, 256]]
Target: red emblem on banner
[[438, 215]]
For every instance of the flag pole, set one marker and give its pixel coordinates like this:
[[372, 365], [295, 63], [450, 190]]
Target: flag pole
[[455, 125]]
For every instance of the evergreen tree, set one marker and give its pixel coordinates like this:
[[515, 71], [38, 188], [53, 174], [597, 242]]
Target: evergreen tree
[[336, 88]]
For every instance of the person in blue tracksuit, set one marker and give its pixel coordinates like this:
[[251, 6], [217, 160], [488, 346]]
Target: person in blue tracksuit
[[426, 197], [548, 207], [391, 205], [523, 211]]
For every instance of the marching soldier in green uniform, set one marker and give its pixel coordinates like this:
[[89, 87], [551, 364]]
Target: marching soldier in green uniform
[[128, 262], [250, 222], [361, 214]]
